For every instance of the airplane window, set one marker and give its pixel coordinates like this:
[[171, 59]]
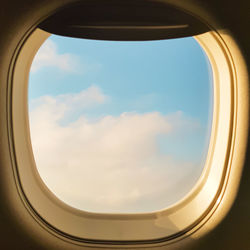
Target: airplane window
[[133, 140], [120, 127]]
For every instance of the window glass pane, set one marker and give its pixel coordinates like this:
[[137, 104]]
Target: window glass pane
[[120, 127]]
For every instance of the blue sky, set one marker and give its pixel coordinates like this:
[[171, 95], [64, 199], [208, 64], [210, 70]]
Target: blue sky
[[160, 73], [105, 84]]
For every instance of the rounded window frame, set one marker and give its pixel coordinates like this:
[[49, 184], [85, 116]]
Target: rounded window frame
[[165, 225]]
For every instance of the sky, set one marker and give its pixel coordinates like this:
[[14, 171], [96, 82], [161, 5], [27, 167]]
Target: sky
[[120, 127]]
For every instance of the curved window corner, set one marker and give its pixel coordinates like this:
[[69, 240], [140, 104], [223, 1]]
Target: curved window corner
[[157, 226]]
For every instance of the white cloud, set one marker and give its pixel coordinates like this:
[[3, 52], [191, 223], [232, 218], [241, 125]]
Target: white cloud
[[48, 56], [56, 108], [111, 164]]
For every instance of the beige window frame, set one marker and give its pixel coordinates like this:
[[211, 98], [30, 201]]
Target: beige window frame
[[221, 171]]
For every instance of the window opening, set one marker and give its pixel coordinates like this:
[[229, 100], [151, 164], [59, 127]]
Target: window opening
[[120, 127]]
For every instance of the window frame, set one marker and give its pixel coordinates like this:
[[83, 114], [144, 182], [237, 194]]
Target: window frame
[[40, 202]]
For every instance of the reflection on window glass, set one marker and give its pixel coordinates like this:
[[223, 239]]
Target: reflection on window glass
[[120, 127]]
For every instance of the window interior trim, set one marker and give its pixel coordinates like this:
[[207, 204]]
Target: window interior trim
[[62, 220]]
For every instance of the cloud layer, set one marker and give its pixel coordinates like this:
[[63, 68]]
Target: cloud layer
[[48, 56], [111, 164]]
